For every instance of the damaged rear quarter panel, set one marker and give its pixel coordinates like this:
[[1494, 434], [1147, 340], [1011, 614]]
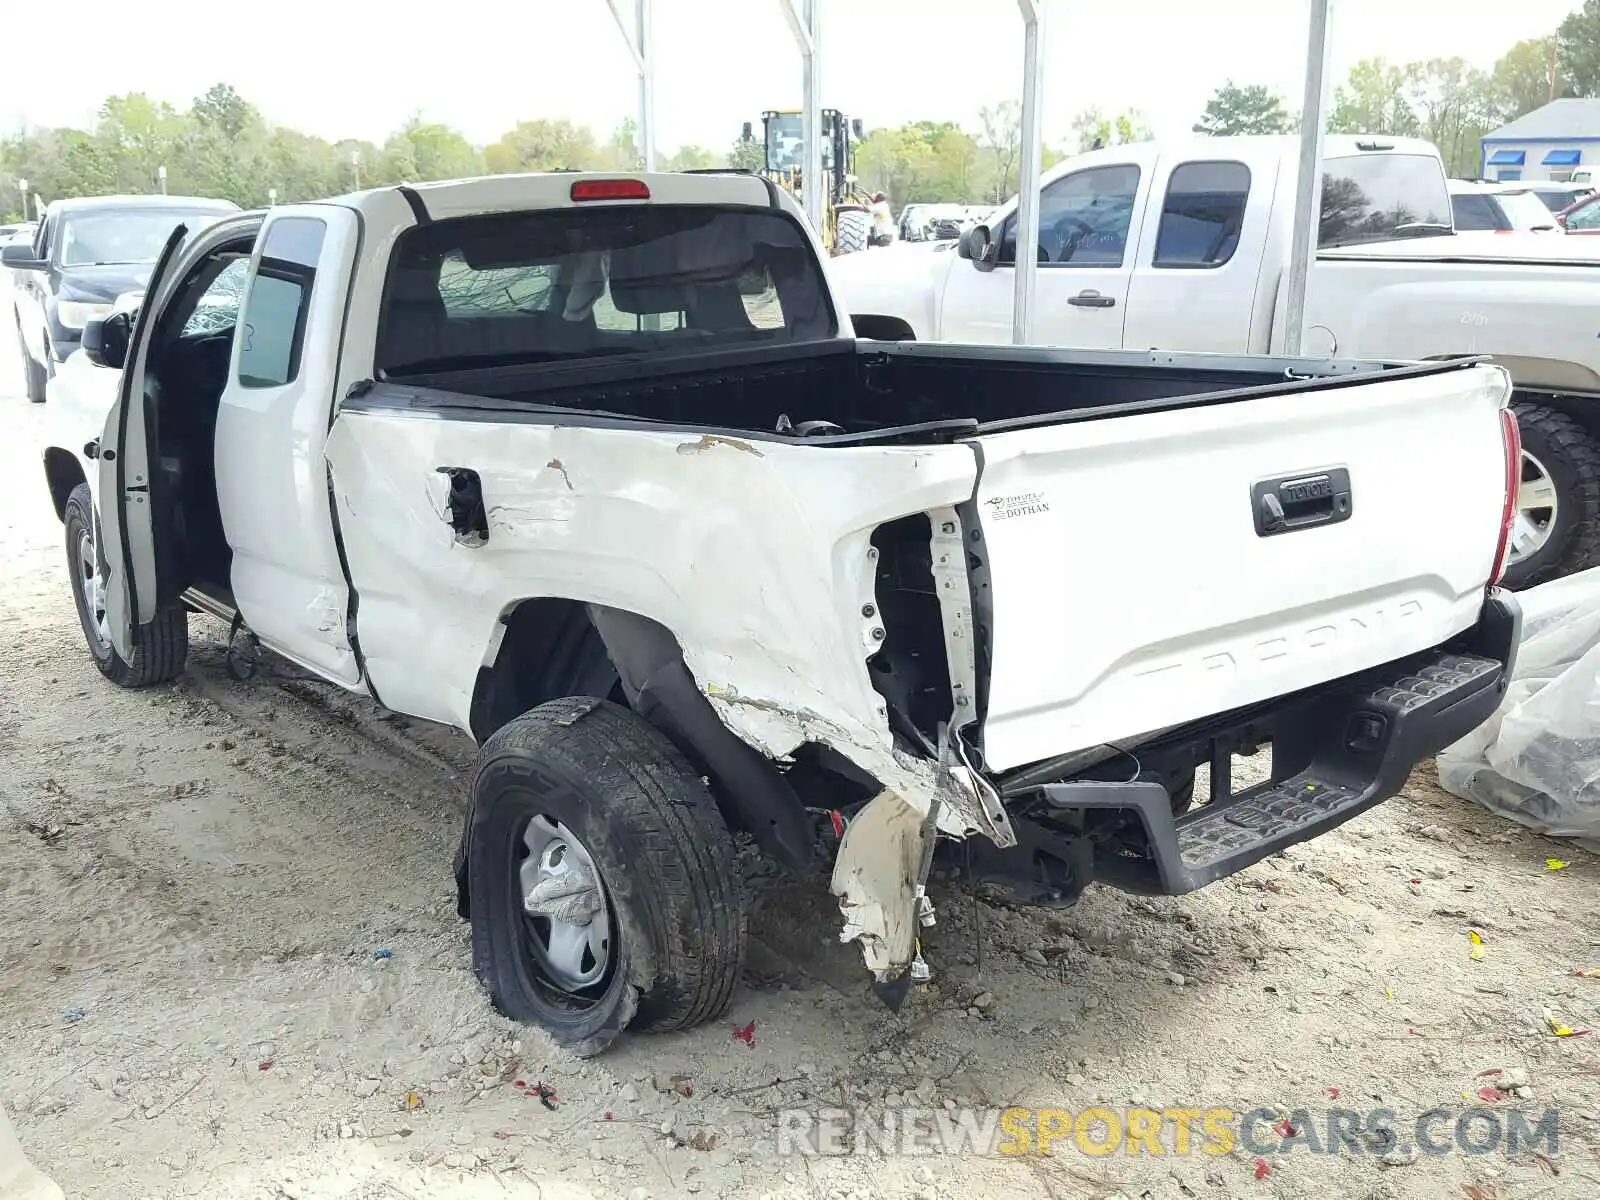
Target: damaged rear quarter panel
[[754, 553]]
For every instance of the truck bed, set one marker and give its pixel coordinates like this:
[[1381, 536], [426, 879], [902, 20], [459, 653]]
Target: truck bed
[[873, 390]]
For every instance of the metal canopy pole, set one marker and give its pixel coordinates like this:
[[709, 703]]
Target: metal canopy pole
[[1308, 185], [1027, 268], [808, 37], [639, 45]]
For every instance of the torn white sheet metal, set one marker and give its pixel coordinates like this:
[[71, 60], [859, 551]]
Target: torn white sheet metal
[[875, 878], [749, 551]]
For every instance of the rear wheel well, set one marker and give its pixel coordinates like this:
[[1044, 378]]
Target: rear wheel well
[[550, 650], [553, 648], [63, 472], [883, 329]]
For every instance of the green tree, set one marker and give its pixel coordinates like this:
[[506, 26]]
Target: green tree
[[1454, 107], [1526, 77], [144, 136], [622, 152], [953, 172], [1578, 42], [224, 111], [897, 162], [1001, 145], [1374, 99], [542, 145], [1245, 110], [421, 150], [690, 158], [747, 154], [1092, 128]]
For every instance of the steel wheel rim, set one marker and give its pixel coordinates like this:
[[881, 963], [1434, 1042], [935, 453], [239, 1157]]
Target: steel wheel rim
[[567, 920], [1536, 510], [92, 592]]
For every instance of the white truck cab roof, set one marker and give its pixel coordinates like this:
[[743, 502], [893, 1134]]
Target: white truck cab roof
[[563, 189]]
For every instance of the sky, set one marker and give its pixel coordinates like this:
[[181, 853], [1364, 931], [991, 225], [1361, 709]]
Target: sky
[[356, 68]]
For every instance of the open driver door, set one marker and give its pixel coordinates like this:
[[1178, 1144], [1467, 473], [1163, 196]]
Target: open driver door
[[135, 510]]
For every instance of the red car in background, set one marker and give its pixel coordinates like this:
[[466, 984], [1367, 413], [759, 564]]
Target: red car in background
[[1582, 217]]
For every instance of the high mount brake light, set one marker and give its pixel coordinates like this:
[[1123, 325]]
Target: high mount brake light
[[610, 189]]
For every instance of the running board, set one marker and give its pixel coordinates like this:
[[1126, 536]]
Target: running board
[[199, 601]]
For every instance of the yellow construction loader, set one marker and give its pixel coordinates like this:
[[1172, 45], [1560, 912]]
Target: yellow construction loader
[[849, 222]]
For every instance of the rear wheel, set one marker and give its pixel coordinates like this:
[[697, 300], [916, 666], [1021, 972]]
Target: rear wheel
[[159, 649], [1557, 525], [601, 879]]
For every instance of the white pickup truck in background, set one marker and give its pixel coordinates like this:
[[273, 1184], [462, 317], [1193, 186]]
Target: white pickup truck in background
[[594, 470], [1185, 246]]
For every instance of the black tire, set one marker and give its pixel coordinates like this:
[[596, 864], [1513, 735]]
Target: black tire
[[664, 858], [34, 376], [1572, 457], [159, 649], [851, 231]]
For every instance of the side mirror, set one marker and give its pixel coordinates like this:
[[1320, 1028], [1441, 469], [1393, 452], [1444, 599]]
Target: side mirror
[[855, 129], [976, 244], [746, 134], [105, 340], [19, 257]]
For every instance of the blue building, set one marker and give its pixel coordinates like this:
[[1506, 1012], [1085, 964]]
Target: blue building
[[1559, 142]]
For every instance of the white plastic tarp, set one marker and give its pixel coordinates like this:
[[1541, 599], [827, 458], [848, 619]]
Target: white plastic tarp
[[1537, 760]]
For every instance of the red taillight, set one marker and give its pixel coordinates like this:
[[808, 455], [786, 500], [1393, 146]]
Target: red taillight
[[610, 189], [1512, 437]]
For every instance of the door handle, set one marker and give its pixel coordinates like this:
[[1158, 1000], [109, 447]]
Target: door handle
[[1092, 299], [1292, 502]]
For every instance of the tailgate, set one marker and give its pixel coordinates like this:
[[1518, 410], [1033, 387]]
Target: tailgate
[[1132, 590]]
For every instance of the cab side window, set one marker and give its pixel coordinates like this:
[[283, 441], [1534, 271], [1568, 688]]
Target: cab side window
[[1202, 214], [1083, 219], [273, 330]]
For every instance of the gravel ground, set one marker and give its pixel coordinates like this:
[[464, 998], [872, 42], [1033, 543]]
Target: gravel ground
[[198, 880]]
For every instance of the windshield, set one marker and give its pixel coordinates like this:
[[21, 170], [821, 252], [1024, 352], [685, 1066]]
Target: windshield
[[1379, 196], [1558, 199], [580, 283], [103, 238], [786, 143], [1526, 211]]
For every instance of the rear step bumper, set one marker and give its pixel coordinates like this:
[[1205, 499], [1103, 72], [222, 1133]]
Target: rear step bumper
[[1350, 745]]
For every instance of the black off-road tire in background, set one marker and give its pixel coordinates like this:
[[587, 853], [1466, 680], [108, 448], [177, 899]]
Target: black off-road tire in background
[[852, 229], [1572, 457], [159, 650], [34, 376], [660, 849]]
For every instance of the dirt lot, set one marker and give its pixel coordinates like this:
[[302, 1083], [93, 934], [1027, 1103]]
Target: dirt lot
[[198, 881]]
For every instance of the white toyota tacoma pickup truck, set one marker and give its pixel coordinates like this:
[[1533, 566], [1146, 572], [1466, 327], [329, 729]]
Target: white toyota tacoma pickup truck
[[1184, 245], [594, 470]]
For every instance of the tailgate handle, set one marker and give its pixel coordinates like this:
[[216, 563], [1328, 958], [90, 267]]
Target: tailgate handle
[[1092, 299], [1304, 500]]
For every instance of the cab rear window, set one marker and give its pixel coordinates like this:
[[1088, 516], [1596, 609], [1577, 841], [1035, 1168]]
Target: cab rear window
[[553, 286]]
